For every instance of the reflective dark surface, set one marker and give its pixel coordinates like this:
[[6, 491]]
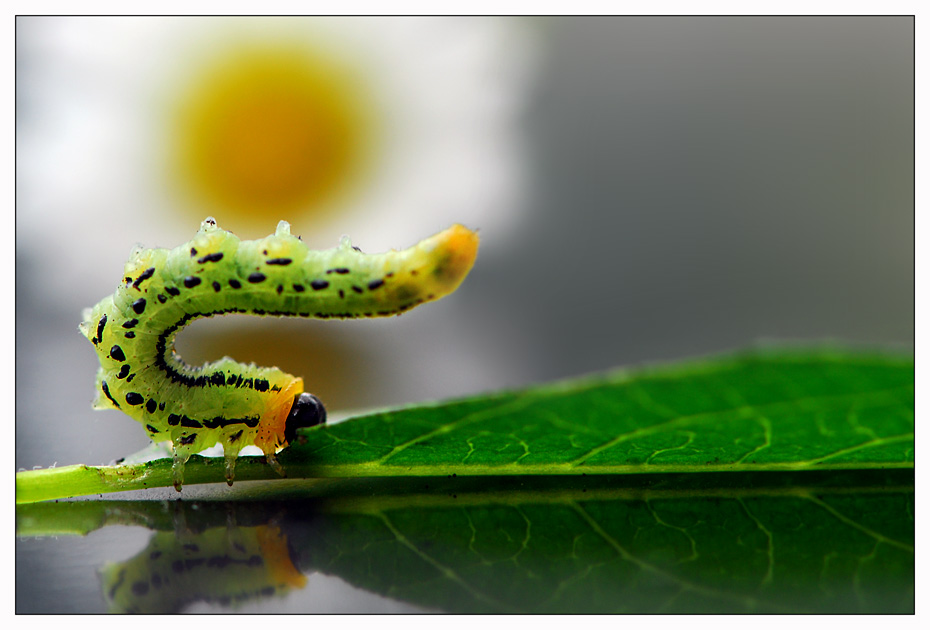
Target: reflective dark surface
[[765, 543]]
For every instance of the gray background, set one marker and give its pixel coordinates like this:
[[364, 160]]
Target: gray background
[[701, 183]]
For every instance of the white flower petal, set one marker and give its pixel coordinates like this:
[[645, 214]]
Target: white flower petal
[[449, 92]]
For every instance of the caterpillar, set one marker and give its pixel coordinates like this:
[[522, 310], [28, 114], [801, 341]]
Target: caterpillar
[[215, 273]]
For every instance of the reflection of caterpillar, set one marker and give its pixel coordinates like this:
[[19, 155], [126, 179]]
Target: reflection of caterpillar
[[222, 566], [215, 273]]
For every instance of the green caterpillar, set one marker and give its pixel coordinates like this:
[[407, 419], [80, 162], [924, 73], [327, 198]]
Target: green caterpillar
[[133, 331]]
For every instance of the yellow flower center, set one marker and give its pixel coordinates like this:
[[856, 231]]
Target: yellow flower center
[[272, 132]]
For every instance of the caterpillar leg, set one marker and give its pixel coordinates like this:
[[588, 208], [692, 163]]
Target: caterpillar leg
[[230, 453], [177, 468], [273, 462]]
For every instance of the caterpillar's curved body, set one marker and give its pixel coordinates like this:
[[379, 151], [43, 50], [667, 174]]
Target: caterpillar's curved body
[[215, 273]]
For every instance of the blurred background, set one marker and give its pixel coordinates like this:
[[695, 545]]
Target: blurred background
[[646, 189]]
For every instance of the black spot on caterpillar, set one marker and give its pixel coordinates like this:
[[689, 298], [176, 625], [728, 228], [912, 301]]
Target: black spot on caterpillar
[[261, 406], [142, 278], [100, 326]]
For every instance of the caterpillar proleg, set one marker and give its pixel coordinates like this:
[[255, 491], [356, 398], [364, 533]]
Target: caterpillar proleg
[[227, 402]]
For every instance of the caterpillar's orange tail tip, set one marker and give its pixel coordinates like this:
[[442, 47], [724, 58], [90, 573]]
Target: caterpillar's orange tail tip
[[454, 253]]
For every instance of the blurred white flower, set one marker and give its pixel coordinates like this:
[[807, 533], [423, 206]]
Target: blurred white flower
[[131, 130]]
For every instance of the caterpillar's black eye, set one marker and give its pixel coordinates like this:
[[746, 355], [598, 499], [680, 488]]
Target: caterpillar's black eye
[[307, 411]]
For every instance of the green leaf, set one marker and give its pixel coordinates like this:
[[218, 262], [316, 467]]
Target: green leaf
[[763, 411], [812, 542], [754, 412]]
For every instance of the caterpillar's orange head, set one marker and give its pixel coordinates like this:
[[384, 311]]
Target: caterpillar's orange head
[[291, 409]]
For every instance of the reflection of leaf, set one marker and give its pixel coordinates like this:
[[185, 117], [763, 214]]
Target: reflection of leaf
[[827, 541], [763, 411], [599, 549]]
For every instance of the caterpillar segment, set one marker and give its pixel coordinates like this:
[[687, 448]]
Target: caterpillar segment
[[236, 404]]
